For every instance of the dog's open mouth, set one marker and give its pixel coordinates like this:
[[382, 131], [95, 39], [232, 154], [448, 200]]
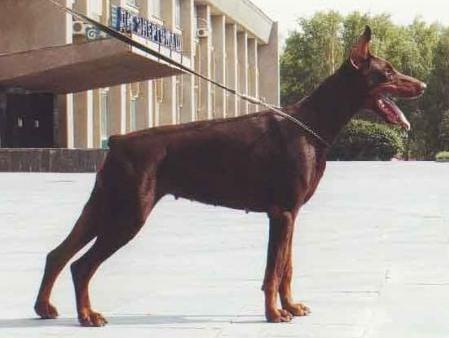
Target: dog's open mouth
[[391, 113]]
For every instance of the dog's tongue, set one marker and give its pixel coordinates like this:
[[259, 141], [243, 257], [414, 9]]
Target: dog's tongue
[[392, 112], [403, 121]]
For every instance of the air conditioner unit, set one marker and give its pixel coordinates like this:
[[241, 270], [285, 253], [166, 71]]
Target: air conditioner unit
[[93, 33], [79, 28], [87, 31], [202, 32]]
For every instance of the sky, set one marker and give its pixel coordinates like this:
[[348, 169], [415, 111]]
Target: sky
[[402, 12]]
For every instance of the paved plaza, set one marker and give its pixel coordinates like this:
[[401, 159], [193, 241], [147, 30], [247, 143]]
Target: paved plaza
[[371, 259]]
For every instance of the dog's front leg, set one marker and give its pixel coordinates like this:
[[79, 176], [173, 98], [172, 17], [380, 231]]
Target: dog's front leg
[[285, 293], [281, 231]]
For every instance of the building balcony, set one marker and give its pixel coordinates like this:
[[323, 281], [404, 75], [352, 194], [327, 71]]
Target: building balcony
[[94, 60], [77, 67]]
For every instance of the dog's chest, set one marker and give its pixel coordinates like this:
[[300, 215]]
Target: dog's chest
[[306, 170]]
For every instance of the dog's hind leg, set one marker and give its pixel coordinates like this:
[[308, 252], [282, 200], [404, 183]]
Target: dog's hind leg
[[129, 217], [83, 232], [281, 231], [84, 268]]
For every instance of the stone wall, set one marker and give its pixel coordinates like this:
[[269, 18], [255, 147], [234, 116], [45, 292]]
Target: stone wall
[[51, 160]]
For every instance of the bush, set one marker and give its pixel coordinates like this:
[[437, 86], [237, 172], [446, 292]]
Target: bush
[[442, 156], [367, 141]]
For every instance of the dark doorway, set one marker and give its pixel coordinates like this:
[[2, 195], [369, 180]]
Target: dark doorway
[[29, 121]]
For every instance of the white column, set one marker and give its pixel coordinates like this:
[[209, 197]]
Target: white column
[[65, 120], [187, 109], [242, 40], [106, 9], [253, 72], [167, 113], [117, 98], [117, 110], [231, 69], [269, 87], [83, 119], [204, 60], [219, 43], [96, 132], [158, 94], [145, 106], [83, 102], [168, 104], [128, 108]]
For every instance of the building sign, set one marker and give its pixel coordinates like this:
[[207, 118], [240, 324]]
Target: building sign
[[126, 22]]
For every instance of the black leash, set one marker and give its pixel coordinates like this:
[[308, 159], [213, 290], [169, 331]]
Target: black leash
[[129, 41]]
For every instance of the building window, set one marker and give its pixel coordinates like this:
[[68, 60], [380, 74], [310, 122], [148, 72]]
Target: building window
[[178, 13], [155, 8], [104, 112]]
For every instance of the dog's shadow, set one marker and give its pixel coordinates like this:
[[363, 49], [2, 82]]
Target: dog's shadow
[[134, 320]]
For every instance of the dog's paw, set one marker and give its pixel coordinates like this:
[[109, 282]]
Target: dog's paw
[[278, 316], [45, 310], [90, 318], [298, 309]]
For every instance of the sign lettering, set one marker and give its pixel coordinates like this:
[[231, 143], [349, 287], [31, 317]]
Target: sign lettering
[[129, 23]]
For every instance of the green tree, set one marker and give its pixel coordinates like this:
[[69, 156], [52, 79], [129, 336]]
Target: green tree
[[381, 25], [311, 54], [436, 99], [421, 65], [444, 131]]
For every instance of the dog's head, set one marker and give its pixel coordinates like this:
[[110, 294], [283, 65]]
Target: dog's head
[[384, 83]]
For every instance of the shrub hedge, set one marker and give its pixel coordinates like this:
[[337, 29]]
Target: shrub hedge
[[367, 141], [442, 156]]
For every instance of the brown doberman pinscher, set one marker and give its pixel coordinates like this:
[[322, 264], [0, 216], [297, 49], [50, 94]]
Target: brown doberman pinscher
[[258, 162]]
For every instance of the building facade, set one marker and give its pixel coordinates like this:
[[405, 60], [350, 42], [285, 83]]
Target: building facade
[[92, 87]]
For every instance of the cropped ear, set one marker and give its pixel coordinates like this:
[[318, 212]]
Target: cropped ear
[[360, 51]]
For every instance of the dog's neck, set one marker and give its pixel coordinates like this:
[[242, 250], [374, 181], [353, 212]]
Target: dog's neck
[[330, 107]]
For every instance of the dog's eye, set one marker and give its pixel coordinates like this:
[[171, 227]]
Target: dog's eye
[[388, 74], [377, 78]]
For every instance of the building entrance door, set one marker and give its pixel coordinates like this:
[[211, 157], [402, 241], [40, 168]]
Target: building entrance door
[[29, 121]]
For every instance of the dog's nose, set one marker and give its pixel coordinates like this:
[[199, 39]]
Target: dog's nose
[[423, 85]]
